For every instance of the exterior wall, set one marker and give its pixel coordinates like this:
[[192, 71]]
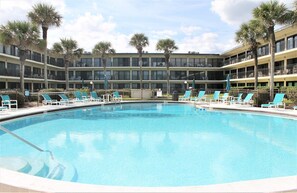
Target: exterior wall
[[239, 64], [208, 70]]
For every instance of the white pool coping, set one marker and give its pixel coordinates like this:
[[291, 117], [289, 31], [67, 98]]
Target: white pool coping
[[15, 180]]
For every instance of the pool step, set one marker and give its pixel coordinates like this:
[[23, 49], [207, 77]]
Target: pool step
[[39, 168], [15, 164], [51, 169]]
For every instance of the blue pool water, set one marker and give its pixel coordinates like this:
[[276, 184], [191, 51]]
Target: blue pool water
[[160, 144]]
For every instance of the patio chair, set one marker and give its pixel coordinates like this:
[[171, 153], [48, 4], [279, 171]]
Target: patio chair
[[277, 101], [3, 108], [9, 103], [85, 96], [216, 96], [78, 97], [64, 99], [199, 97], [224, 98], [94, 96], [186, 96], [248, 99], [47, 100], [237, 99], [116, 96]]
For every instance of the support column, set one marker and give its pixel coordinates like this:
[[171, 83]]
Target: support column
[[285, 66]]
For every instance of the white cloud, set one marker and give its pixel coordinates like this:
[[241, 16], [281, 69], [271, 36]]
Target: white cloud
[[205, 43], [164, 34], [189, 30], [234, 12], [88, 29], [18, 9]]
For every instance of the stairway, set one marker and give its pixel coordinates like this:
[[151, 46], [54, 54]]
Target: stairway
[[50, 169]]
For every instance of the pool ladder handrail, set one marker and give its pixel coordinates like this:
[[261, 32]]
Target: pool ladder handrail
[[25, 141]]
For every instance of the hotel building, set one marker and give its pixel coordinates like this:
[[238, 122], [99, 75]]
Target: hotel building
[[208, 70]]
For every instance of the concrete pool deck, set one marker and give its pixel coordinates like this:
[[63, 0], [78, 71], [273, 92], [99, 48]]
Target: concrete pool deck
[[11, 181]]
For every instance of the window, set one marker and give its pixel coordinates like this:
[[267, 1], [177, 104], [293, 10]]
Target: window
[[2, 68], [27, 71], [212, 75], [145, 62], [97, 62], [178, 75], [292, 42], [198, 75], [159, 75], [158, 62], [99, 75], [121, 75], [13, 70], [86, 62], [83, 75], [121, 85], [280, 46], [121, 62], [60, 62], [36, 57]]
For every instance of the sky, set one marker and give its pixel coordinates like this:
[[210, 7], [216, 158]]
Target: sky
[[204, 26]]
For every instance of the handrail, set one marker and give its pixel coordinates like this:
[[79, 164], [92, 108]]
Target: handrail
[[25, 141]]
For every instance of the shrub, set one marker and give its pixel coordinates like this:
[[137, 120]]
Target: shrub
[[291, 93]]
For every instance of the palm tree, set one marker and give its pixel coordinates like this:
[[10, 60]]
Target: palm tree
[[24, 36], [168, 46], [69, 50], [139, 41], [270, 14], [249, 35], [103, 49], [45, 15]]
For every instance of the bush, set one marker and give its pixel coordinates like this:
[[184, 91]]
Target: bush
[[291, 94], [261, 97]]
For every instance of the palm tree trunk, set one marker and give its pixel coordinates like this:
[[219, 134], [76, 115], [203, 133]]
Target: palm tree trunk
[[256, 68], [44, 36], [104, 71], [140, 77], [45, 66], [66, 74], [272, 61], [22, 69], [168, 85]]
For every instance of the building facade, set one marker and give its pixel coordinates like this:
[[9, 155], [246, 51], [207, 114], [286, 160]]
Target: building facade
[[208, 70]]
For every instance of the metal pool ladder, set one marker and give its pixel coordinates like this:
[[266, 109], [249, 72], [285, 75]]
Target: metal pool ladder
[[27, 142]]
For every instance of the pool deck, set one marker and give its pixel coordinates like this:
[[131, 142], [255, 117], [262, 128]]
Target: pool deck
[[11, 181]]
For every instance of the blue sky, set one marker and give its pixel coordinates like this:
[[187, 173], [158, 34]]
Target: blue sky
[[205, 26]]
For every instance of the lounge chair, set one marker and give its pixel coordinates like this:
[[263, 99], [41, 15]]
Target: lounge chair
[[277, 101], [237, 99], [94, 96], [248, 99], [216, 96], [47, 100], [3, 108], [79, 97], [85, 96], [199, 97], [224, 98], [64, 99], [186, 97], [295, 108], [9, 103], [116, 96]]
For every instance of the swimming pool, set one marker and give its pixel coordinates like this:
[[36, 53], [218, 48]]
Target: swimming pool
[[159, 144]]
